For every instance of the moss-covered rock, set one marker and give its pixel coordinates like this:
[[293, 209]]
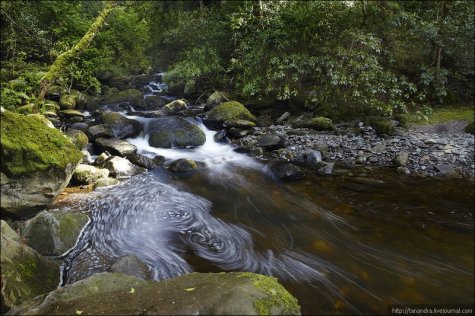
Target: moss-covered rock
[[68, 101], [70, 113], [132, 96], [190, 294], [470, 128], [38, 161], [230, 111], [318, 123], [174, 107], [182, 165], [42, 119], [50, 106], [86, 174], [380, 125], [170, 131], [25, 109], [53, 233], [239, 123], [24, 273], [120, 126], [78, 138]]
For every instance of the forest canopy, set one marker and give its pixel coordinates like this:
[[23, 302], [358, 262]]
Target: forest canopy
[[371, 56]]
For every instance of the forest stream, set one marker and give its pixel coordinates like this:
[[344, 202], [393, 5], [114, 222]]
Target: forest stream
[[340, 244]]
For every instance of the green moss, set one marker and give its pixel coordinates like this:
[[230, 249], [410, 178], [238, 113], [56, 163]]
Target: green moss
[[380, 125], [470, 128], [112, 118], [403, 119], [78, 138], [25, 109], [231, 110], [27, 268], [70, 224], [28, 145], [321, 123], [275, 295], [68, 101]]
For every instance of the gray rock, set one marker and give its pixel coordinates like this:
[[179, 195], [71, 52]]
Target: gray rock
[[115, 146], [313, 157], [133, 266], [86, 174], [120, 126], [447, 170], [53, 233], [121, 168], [256, 152], [271, 141], [99, 131], [401, 159], [174, 107], [24, 273], [241, 293], [167, 132], [326, 169], [141, 161]]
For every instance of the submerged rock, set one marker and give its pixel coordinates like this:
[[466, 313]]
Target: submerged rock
[[53, 233], [191, 294], [171, 131], [131, 265], [182, 165], [24, 273], [38, 163], [287, 171]]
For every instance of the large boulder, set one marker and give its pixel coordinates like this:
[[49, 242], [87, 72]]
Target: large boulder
[[37, 161], [174, 107], [24, 273], [229, 111], [53, 233], [115, 146], [167, 132], [120, 126], [132, 96], [191, 294]]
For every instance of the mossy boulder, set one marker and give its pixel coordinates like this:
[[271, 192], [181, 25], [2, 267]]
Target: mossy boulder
[[174, 107], [50, 106], [230, 111], [190, 294], [132, 96], [53, 233], [182, 165], [42, 119], [86, 174], [68, 101], [120, 126], [318, 123], [25, 109], [216, 98], [78, 138], [470, 128], [380, 125], [25, 274], [171, 131], [38, 161]]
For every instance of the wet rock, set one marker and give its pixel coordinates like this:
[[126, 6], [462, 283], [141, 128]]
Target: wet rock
[[191, 294], [102, 158], [229, 111], [141, 161], [447, 171], [78, 138], [86, 174], [24, 273], [238, 123], [401, 159], [115, 146], [283, 118], [313, 157], [131, 265], [167, 132], [287, 171], [158, 160], [326, 168], [121, 168], [80, 126], [403, 170], [70, 114], [37, 164], [271, 141], [182, 165], [53, 233], [235, 132], [174, 107], [105, 182], [99, 131], [215, 99], [220, 136], [120, 126]]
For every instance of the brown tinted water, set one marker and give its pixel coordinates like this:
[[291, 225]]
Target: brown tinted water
[[381, 238]]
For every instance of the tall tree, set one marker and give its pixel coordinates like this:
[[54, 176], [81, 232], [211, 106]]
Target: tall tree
[[67, 57]]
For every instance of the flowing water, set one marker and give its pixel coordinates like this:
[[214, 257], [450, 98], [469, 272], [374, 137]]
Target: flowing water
[[346, 244]]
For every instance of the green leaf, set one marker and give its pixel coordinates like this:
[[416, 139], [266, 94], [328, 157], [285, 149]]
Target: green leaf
[[190, 289]]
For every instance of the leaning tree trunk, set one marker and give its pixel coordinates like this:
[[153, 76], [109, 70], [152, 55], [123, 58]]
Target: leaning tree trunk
[[65, 58]]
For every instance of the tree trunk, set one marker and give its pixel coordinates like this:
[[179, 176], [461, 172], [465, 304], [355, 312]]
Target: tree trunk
[[65, 58], [439, 45]]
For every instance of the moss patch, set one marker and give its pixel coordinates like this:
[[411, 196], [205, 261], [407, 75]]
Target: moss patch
[[28, 145], [275, 293], [380, 125], [231, 110]]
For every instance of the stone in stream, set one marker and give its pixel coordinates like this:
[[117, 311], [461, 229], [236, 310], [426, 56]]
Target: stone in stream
[[171, 131], [141, 161], [37, 164], [78, 138], [25, 274], [287, 171], [53, 233], [174, 107], [233, 293], [99, 131], [182, 165], [447, 170], [121, 168], [220, 136], [115, 146], [401, 159], [271, 141], [86, 174], [326, 168], [120, 126], [131, 265]]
